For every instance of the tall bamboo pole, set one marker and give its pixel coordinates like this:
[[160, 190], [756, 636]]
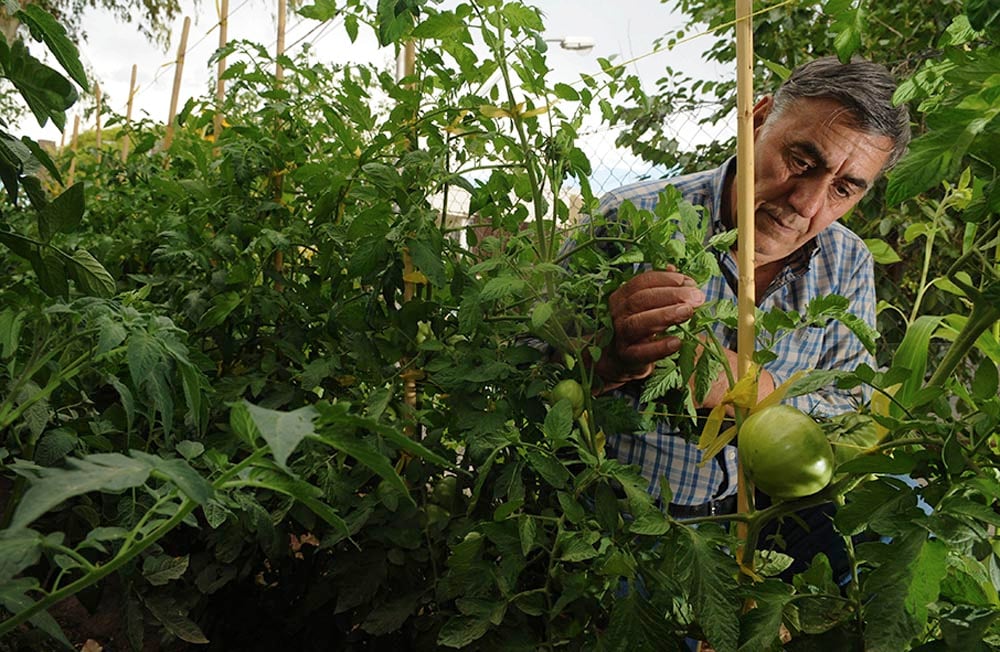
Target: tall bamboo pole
[[278, 176], [220, 83], [405, 67], [128, 113], [279, 70], [168, 138], [97, 118], [745, 207], [72, 148]]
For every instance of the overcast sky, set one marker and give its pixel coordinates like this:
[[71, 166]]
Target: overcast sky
[[626, 28]]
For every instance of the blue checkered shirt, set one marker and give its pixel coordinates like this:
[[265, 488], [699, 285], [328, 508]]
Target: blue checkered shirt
[[835, 262]]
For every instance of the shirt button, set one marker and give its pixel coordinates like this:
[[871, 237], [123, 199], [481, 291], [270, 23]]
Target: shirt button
[[731, 454]]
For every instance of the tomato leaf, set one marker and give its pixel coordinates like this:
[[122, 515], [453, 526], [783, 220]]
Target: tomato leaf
[[283, 431], [45, 28], [50, 486]]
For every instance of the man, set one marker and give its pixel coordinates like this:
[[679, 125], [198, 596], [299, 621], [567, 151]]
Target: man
[[821, 142]]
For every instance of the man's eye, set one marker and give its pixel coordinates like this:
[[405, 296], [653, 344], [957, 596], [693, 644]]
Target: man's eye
[[800, 164], [842, 192]]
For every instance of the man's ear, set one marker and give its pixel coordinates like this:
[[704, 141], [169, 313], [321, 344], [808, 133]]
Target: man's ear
[[761, 110]]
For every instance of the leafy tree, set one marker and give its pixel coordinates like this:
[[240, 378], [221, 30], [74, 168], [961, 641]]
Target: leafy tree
[[152, 18]]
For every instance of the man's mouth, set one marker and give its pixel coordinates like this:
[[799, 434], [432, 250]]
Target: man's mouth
[[783, 222]]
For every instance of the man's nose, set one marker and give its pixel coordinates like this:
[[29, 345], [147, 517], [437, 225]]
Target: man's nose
[[808, 196]]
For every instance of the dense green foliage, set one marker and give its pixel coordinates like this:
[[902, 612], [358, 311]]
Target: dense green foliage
[[260, 391]]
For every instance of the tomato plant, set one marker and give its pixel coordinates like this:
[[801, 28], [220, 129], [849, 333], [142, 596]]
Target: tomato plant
[[288, 399]]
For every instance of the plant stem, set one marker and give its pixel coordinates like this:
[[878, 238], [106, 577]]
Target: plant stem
[[99, 572], [983, 316]]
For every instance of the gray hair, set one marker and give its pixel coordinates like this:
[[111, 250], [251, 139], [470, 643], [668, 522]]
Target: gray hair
[[864, 88]]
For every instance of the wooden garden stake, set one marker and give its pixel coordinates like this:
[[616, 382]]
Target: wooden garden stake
[[279, 71], [97, 118], [168, 139], [128, 112], [278, 176], [72, 148], [745, 207], [220, 83], [405, 67]]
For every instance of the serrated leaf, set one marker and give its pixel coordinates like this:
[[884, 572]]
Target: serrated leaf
[[222, 305], [14, 598], [577, 546], [559, 421], [283, 431], [162, 569], [636, 624], [652, 523], [439, 26], [460, 631], [310, 496], [501, 287], [19, 549], [54, 446], [365, 453], [174, 618], [905, 584], [90, 275], [181, 474], [144, 356], [540, 314], [708, 575], [389, 616], [549, 468], [97, 472]]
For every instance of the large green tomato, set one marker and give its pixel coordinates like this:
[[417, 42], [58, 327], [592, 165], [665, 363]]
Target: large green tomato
[[572, 391], [785, 453]]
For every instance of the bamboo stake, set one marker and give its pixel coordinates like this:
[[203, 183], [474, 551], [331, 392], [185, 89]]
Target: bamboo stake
[[168, 138], [72, 149], [128, 113], [97, 118], [405, 67], [279, 71], [745, 206], [220, 83], [278, 176]]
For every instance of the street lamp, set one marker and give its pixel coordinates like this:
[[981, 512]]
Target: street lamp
[[577, 43]]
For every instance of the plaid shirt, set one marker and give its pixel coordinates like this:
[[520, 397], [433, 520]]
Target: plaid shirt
[[835, 262]]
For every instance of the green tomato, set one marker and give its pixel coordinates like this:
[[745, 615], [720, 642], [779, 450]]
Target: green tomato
[[444, 492], [570, 390], [785, 453]]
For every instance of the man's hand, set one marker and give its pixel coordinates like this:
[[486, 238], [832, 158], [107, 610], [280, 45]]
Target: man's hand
[[641, 310]]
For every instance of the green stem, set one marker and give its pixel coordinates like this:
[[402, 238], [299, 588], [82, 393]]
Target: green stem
[[983, 316], [127, 553], [928, 250], [99, 572]]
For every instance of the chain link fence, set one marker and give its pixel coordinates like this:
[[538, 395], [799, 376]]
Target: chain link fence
[[614, 165]]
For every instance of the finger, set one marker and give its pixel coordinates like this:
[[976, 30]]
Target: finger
[[650, 281], [648, 352], [644, 325], [669, 277], [658, 297]]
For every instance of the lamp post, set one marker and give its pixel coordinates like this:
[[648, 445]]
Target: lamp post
[[576, 43]]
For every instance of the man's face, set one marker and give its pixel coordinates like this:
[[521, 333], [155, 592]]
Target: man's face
[[811, 168]]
